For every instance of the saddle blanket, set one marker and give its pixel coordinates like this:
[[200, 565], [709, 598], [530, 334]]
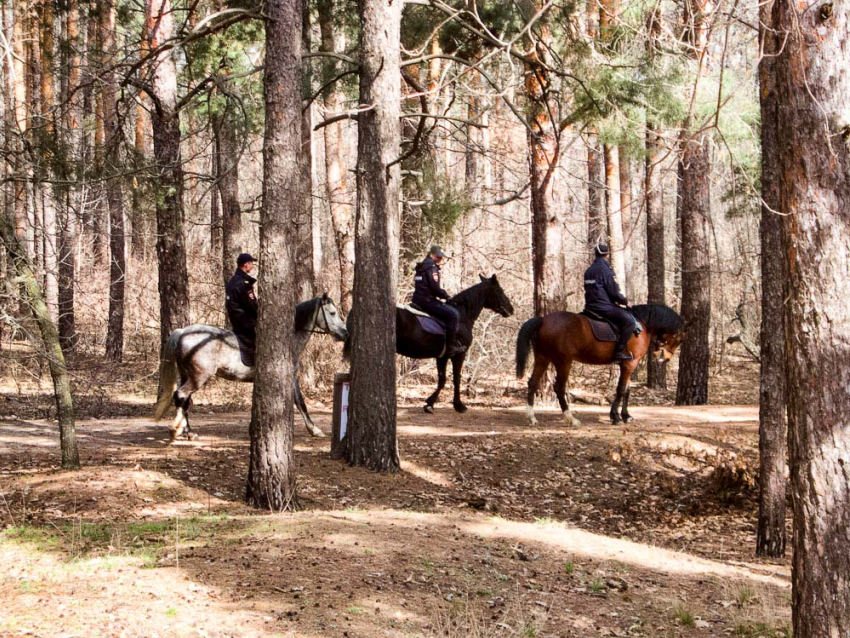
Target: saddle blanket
[[602, 330], [429, 324], [605, 331]]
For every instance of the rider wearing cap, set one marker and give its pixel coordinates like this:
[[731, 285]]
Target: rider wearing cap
[[241, 300], [602, 296], [427, 293]]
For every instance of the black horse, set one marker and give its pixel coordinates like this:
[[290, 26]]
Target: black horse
[[412, 341]]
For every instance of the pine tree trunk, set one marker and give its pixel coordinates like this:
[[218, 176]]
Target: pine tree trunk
[[113, 186], [547, 219], [812, 89], [656, 376], [48, 149], [227, 157], [696, 277], [614, 213], [170, 246], [50, 340], [372, 409], [625, 169], [68, 224], [695, 193], [597, 227], [304, 274], [271, 474], [336, 175], [19, 68], [770, 540], [655, 247]]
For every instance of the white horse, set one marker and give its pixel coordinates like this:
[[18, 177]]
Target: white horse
[[199, 352]]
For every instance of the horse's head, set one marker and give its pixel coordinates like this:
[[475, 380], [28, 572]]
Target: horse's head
[[664, 346], [329, 320], [496, 299]]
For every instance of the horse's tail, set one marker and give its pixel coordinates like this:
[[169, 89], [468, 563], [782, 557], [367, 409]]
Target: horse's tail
[[527, 335], [167, 374]]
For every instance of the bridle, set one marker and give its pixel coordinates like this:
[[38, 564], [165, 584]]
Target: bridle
[[312, 329]]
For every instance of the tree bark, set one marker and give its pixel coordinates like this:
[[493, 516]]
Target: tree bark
[[336, 178], [372, 409], [68, 223], [694, 170], [812, 89], [271, 474], [770, 539], [49, 150], [50, 339], [113, 186], [625, 170], [168, 177], [614, 213], [547, 220], [304, 273], [597, 228], [656, 376], [696, 277], [227, 155]]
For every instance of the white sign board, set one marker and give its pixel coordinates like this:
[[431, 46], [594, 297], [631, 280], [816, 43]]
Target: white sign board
[[343, 411]]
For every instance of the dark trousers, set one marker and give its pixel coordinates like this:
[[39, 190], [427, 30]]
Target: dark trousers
[[449, 315], [621, 318]]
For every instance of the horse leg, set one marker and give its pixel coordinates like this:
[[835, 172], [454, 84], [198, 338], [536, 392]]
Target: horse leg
[[183, 401], [302, 408], [628, 371], [540, 365], [457, 377], [441, 382], [562, 390]]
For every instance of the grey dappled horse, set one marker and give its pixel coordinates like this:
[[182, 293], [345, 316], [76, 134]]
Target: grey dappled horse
[[199, 352]]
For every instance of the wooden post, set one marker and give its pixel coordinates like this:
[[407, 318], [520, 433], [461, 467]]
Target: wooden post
[[341, 386]]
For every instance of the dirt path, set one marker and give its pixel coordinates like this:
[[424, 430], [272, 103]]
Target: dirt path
[[492, 529]]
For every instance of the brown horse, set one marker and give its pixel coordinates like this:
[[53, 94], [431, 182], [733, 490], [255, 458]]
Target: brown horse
[[563, 337]]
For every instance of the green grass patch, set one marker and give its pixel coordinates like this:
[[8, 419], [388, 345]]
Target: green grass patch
[[684, 615], [568, 567]]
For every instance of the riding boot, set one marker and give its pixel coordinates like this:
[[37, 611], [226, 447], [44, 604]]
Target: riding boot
[[621, 354], [453, 347]]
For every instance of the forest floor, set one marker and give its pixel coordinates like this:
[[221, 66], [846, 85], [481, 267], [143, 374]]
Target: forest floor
[[492, 528]]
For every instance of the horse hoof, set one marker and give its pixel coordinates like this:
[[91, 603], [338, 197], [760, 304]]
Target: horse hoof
[[460, 407], [192, 436], [429, 409], [628, 419], [616, 421], [571, 421]]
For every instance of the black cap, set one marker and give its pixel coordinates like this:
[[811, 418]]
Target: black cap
[[601, 250], [244, 258], [436, 250]]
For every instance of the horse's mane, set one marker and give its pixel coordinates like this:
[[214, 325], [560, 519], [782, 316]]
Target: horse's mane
[[471, 294], [304, 313], [658, 317]]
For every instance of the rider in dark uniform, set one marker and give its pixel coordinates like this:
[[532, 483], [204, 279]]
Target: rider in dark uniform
[[241, 301], [427, 293], [602, 296]]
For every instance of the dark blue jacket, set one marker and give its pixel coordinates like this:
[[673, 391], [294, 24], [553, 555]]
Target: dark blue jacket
[[427, 283], [241, 302], [601, 290]]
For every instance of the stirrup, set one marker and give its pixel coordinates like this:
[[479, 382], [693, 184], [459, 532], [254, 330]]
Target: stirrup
[[623, 355]]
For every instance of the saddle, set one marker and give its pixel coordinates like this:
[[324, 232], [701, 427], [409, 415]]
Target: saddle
[[429, 324], [247, 350], [603, 330]]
